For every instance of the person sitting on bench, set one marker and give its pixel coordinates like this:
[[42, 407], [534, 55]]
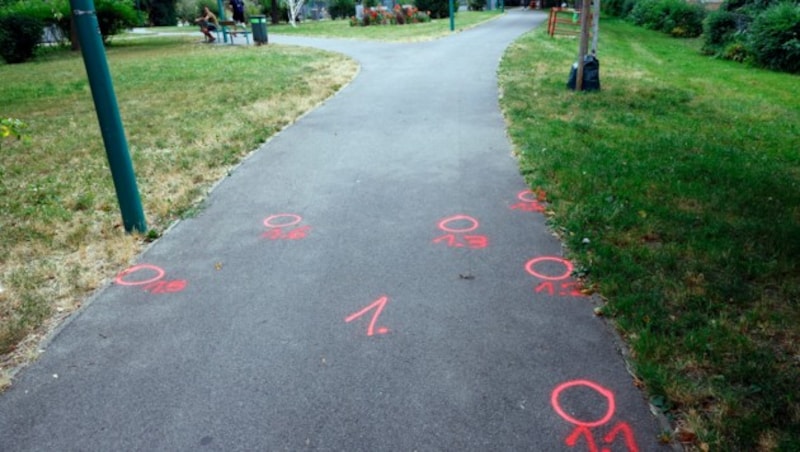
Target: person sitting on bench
[[208, 23]]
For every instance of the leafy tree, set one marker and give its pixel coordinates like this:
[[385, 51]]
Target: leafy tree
[[439, 8]]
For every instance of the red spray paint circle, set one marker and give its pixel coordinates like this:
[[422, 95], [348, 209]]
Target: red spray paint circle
[[567, 267], [601, 390], [443, 224], [523, 196], [293, 220], [121, 276]]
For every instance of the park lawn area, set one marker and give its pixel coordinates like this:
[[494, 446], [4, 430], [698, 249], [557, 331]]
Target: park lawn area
[[191, 112], [341, 28], [677, 191]]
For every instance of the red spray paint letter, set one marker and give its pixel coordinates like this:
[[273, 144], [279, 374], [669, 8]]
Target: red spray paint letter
[[378, 306]]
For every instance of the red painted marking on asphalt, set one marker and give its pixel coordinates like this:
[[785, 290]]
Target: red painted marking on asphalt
[[154, 284], [469, 241], [292, 234], [583, 427], [532, 263], [609, 396], [528, 207], [474, 224], [627, 436], [378, 306], [136, 268], [567, 289], [293, 219], [277, 227], [584, 431], [457, 237], [159, 287], [530, 201]]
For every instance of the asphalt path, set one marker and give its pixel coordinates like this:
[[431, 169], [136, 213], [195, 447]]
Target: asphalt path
[[375, 277]]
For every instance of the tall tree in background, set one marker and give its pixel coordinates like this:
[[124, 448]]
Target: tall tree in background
[[295, 6], [275, 12], [161, 12]]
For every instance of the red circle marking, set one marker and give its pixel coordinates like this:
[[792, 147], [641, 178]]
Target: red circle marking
[[268, 221], [443, 227], [121, 276], [522, 196], [603, 391], [383, 330], [564, 262]]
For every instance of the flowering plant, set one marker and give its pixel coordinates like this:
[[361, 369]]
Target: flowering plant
[[400, 15]]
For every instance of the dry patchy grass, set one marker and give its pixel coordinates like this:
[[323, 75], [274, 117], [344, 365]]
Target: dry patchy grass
[[191, 112]]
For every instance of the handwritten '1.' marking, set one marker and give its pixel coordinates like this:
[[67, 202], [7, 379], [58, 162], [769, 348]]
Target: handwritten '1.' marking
[[378, 306]]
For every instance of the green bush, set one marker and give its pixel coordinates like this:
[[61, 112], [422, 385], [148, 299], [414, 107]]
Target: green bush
[[617, 8], [774, 38], [476, 5], [675, 17], [162, 12], [114, 16], [684, 20], [647, 13], [19, 36], [186, 10], [342, 9], [719, 29], [439, 9]]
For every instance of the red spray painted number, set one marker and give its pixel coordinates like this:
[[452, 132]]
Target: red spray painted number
[[281, 227], [583, 426], [529, 201], [151, 279], [550, 284], [377, 306], [457, 228]]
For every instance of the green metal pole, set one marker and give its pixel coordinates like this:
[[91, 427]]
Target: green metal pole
[[222, 17], [105, 103], [452, 16]]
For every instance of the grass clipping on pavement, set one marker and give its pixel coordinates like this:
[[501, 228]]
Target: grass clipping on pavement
[[677, 190], [190, 112]]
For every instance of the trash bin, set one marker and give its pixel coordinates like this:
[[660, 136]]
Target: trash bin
[[259, 25], [591, 74]]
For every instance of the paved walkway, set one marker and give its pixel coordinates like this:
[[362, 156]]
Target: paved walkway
[[374, 278]]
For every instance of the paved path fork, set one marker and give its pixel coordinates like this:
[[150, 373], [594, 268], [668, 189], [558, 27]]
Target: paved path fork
[[376, 277]]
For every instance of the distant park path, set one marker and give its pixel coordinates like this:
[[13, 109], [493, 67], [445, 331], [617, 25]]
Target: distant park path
[[377, 277]]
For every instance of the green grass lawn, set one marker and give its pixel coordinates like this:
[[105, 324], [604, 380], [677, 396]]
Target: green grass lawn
[[341, 28], [683, 174]]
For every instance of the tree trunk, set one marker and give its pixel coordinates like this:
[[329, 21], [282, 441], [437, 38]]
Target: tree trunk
[[275, 13], [73, 34]]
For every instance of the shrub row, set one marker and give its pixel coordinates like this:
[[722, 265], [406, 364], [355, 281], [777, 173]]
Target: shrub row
[[22, 24], [675, 17], [769, 37], [763, 32]]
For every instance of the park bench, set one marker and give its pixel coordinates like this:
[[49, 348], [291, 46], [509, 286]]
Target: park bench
[[227, 29]]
